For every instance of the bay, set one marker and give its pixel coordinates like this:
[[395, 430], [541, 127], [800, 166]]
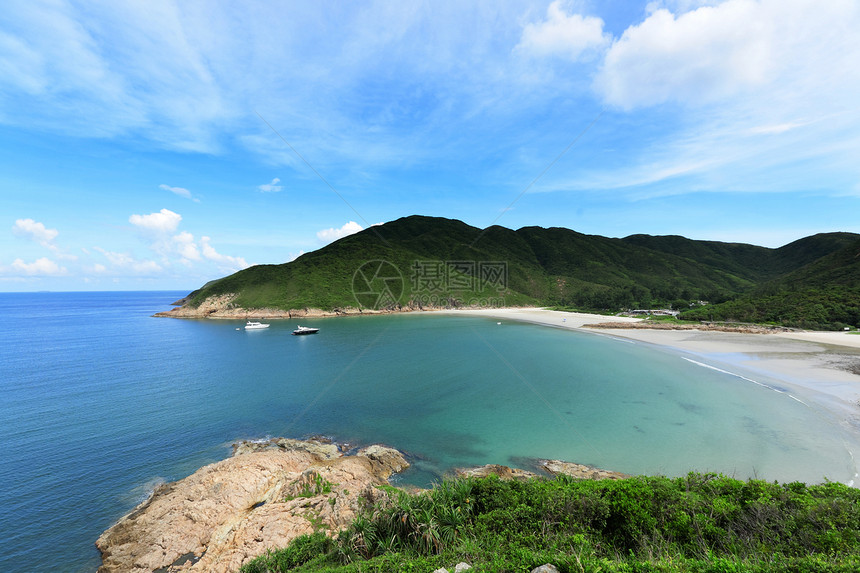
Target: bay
[[101, 402]]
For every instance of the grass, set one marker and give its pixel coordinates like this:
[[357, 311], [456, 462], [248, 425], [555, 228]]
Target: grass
[[704, 523], [317, 486]]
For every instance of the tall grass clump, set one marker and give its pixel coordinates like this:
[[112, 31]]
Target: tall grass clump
[[704, 523]]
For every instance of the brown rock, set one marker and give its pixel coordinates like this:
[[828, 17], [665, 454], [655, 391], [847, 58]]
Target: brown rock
[[503, 472], [552, 467], [555, 467], [229, 512]]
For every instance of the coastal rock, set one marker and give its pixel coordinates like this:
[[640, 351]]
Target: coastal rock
[[324, 448], [552, 467], [555, 467], [229, 512], [503, 472], [223, 306]]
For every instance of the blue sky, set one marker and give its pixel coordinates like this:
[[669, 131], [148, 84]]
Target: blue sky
[[150, 145]]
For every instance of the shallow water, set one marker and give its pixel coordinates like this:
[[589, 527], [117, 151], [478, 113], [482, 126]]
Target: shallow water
[[101, 402]]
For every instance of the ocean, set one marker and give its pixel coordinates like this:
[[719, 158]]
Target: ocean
[[101, 402]]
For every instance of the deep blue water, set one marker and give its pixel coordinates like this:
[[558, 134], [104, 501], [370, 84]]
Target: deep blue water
[[101, 401]]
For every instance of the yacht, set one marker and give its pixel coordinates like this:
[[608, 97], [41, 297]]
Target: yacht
[[255, 325], [305, 330]]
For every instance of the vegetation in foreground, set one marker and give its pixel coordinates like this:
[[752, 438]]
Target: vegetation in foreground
[[700, 523]]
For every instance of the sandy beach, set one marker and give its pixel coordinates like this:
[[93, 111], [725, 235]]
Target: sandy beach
[[820, 366]]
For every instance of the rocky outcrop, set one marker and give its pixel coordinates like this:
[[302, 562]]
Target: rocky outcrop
[[264, 496], [229, 512], [223, 306], [551, 467], [502, 472], [580, 471]]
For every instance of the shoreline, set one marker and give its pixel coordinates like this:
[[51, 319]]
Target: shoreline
[[821, 366]]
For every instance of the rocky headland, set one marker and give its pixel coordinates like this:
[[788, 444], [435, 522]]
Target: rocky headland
[[261, 498], [223, 306], [264, 496]]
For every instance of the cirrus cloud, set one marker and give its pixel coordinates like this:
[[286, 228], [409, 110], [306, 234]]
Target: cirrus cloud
[[272, 187], [181, 191]]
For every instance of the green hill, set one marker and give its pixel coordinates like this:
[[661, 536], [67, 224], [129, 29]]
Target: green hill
[[822, 294], [420, 261]]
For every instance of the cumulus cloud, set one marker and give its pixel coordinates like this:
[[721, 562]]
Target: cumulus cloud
[[717, 51], [172, 246], [39, 267], [561, 34], [33, 230], [165, 221], [185, 246], [272, 187], [332, 234]]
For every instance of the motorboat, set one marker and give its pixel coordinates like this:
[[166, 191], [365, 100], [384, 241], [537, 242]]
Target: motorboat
[[255, 325], [305, 330]]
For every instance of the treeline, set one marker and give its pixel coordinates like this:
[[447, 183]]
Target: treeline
[[814, 309], [700, 523], [636, 296]]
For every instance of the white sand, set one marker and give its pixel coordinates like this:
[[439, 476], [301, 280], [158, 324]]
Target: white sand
[[814, 364]]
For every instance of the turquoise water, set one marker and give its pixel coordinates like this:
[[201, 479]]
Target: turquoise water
[[100, 402]]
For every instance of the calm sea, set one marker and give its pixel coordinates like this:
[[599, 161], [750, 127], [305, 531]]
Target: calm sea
[[101, 402]]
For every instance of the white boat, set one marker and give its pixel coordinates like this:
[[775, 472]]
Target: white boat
[[305, 330], [255, 325]]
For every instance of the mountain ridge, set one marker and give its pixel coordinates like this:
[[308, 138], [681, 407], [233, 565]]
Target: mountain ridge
[[420, 261]]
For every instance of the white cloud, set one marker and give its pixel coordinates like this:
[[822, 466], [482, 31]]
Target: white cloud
[[146, 267], [332, 234], [184, 244], [699, 56], [782, 50], [233, 263], [745, 88], [110, 70], [562, 34], [36, 231], [40, 267], [272, 187], [165, 221], [127, 262], [181, 191], [173, 246]]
